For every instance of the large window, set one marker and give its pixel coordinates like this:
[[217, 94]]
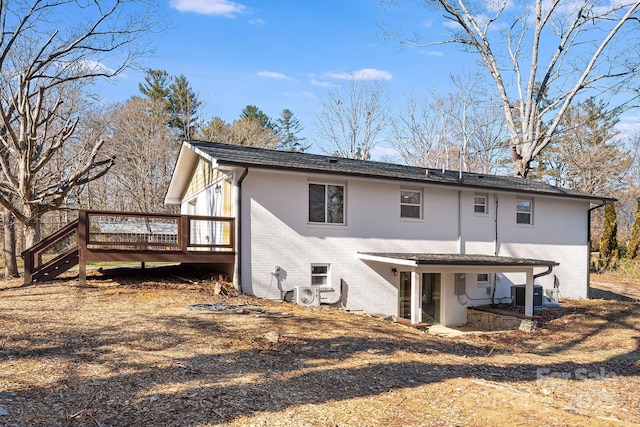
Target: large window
[[480, 204], [410, 203], [326, 204], [524, 211]]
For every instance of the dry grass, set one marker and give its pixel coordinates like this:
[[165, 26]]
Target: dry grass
[[128, 351]]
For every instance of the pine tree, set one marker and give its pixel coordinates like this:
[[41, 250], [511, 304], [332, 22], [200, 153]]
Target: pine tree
[[183, 107], [288, 127], [156, 85], [251, 112], [633, 248], [609, 239]]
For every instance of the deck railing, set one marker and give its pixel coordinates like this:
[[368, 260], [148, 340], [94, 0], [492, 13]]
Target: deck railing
[[104, 230], [131, 236]]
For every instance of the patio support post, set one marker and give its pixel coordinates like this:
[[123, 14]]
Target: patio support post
[[416, 311], [528, 300]]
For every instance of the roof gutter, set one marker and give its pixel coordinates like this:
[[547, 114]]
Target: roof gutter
[[239, 229]]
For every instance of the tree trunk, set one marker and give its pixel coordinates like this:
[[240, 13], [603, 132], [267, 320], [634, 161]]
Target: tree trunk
[[9, 248], [32, 234]]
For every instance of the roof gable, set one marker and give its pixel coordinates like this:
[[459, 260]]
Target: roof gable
[[237, 155]]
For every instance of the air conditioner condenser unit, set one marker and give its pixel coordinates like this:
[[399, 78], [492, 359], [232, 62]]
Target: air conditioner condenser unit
[[306, 295]]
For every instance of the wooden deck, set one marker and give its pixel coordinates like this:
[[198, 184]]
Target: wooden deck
[[126, 237]]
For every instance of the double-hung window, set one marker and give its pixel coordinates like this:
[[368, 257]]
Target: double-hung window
[[326, 204], [410, 204], [480, 204], [319, 274], [524, 211]]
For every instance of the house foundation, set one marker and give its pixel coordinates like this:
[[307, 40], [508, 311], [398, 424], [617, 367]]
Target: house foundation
[[487, 318]]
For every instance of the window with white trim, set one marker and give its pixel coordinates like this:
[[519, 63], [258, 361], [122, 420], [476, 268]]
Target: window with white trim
[[524, 211], [326, 204], [410, 204], [320, 274], [480, 203], [483, 278]]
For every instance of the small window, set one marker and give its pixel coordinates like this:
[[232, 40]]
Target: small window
[[326, 204], [410, 204], [320, 274], [480, 204], [524, 211], [483, 278]]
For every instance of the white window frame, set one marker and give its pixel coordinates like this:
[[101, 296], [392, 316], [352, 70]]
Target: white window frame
[[483, 282], [326, 204], [418, 205], [529, 212], [485, 205], [316, 275]]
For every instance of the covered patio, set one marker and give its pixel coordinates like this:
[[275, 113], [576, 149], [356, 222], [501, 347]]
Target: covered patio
[[420, 263]]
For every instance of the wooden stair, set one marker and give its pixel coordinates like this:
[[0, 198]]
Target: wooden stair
[[35, 271]]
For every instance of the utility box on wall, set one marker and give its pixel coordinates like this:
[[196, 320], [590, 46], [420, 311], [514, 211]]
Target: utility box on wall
[[519, 292]]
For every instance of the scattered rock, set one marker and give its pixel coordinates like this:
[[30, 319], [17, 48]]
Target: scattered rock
[[272, 337]]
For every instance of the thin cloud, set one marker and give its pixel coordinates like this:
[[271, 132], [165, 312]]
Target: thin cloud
[[273, 75], [257, 22], [226, 8], [363, 74], [321, 84]]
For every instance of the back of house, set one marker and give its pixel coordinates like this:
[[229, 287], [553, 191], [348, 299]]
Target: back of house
[[413, 242]]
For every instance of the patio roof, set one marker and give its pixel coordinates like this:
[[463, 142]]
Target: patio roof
[[468, 260]]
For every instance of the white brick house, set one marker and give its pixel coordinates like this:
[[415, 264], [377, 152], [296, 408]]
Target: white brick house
[[408, 241]]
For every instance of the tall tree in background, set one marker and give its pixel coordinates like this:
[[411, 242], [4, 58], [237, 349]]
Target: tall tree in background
[[554, 53], [633, 248], [146, 149], [183, 107], [244, 131], [351, 119], [460, 130], [586, 154], [46, 61], [251, 112], [287, 126], [609, 237], [156, 85]]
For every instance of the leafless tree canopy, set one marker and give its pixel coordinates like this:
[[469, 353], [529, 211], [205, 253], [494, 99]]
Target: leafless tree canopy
[[543, 56], [352, 119], [50, 51]]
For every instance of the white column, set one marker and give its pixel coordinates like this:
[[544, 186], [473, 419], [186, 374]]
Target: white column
[[528, 300], [416, 309]]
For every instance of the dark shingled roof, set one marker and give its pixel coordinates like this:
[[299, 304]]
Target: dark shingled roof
[[238, 155], [457, 259]]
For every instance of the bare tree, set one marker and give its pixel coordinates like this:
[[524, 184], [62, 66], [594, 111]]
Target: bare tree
[[46, 62], [146, 149], [244, 131], [352, 118], [543, 55], [460, 130]]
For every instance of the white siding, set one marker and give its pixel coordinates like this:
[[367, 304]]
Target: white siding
[[276, 233]]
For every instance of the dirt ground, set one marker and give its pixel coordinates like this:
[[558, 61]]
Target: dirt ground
[[164, 348]]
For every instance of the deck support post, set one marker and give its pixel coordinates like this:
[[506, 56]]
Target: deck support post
[[81, 240]]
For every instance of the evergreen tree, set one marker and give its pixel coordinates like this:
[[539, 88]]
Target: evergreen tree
[[609, 239], [633, 248], [251, 112], [183, 107], [288, 127], [156, 85]]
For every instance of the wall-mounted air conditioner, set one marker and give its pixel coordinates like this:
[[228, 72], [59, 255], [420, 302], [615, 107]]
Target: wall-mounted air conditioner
[[306, 295]]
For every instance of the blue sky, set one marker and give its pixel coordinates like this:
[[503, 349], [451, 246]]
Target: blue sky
[[285, 54]]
